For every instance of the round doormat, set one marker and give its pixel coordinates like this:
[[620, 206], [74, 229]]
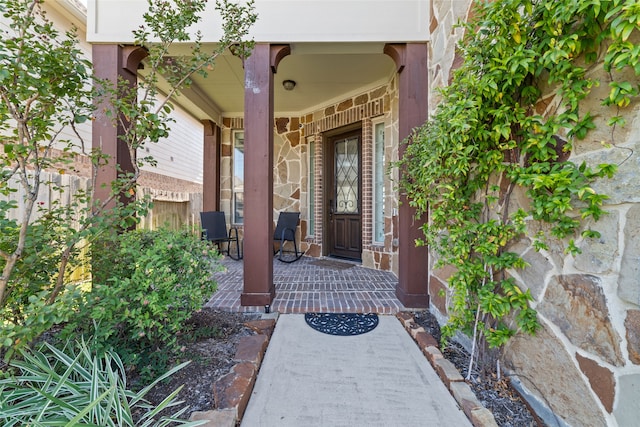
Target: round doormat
[[342, 324]]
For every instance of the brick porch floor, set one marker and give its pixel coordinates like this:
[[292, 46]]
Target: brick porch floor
[[314, 285]]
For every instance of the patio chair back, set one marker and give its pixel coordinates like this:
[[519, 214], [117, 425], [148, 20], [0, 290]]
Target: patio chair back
[[286, 232], [214, 229], [215, 225]]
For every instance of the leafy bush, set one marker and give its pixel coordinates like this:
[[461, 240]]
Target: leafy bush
[[38, 316], [48, 90], [28, 310], [148, 285], [74, 386]]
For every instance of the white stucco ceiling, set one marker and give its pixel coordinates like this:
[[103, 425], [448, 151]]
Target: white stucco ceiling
[[336, 49], [324, 73]]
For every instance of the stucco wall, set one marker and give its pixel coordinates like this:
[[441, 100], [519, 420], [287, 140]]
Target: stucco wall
[[584, 363], [282, 20]]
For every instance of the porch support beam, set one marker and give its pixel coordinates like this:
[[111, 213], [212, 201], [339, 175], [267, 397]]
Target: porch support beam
[[259, 69], [111, 61], [413, 262], [211, 166]]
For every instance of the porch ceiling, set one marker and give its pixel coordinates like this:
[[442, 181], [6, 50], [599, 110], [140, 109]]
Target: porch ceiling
[[323, 72]]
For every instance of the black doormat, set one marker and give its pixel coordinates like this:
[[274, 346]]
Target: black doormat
[[342, 324], [329, 263]]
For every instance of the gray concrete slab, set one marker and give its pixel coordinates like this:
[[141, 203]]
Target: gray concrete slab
[[380, 378]]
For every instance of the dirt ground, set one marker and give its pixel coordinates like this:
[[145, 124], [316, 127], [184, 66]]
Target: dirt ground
[[212, 357], [211, 338]]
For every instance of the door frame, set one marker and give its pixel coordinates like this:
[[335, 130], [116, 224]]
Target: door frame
[[327, 170]]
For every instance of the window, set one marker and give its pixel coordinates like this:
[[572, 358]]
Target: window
[[312, 190], [238, 178], [378, 182]]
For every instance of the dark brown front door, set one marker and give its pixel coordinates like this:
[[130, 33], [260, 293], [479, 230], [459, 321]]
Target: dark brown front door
[[345, 223]]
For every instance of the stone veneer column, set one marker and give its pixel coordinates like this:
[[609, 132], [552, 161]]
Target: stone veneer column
[[110, 62], [211, 166], [413, 265], [258, 173]]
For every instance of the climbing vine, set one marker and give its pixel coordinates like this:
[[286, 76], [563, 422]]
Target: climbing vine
[[506, 125]]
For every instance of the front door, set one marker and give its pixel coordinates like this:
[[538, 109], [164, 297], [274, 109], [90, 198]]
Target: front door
[[344, 210]]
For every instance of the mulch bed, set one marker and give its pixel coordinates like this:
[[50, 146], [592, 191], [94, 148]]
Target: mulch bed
[[210, 341], [496, 394]]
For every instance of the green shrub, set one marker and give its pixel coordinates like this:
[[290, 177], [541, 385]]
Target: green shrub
[[38, 317], [47, 90], [73, 386], [28, 310], [147, 285]]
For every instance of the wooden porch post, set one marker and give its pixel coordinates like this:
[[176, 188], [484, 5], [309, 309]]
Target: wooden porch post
[[413, 265], [211, 167], [111, 61], [259, 68]]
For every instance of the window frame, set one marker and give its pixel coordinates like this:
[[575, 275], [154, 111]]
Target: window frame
[[311, 190], [378, 180], [237, 182]]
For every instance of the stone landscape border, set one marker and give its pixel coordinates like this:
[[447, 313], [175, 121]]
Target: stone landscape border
[[448, 373], [232, 391]]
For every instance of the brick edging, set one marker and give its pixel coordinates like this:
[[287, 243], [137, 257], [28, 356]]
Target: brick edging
[[231, 392], [448, 373]]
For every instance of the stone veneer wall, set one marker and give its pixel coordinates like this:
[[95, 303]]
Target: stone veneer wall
[[365, 109], [584, 363], [291, 169]]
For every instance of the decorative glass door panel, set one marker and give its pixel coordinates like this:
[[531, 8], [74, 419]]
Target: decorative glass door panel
[[347, 176], [344, 201]]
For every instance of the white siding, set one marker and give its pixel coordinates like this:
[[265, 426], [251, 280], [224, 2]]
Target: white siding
[[62, 23], [180, 155]]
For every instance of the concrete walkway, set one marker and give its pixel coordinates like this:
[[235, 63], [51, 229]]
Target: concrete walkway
[[311, 379]]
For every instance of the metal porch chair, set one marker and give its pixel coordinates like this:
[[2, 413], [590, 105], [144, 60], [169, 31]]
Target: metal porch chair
[[286, 232], [214, 229]]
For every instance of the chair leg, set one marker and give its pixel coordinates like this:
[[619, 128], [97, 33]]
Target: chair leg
[[296, 254], [279, 251], [280, 257], [229, 249], [237, 251], [233, 237], [295, 249], [238, 254]]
